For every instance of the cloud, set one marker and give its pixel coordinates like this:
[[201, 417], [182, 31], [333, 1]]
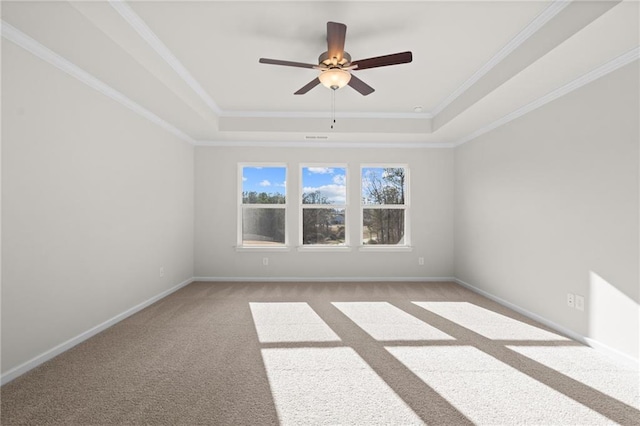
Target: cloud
[[265, 183], [244, 179], [339, 179], [282, 185], [336, 194], [320, 170]]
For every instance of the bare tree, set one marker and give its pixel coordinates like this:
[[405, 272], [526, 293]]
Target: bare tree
[[387, 189], [319, 224]]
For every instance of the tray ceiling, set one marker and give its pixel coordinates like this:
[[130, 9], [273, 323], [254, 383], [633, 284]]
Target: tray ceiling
[[194, 64]]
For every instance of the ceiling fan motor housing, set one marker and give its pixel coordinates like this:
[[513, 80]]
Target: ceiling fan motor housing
[[324, 59]]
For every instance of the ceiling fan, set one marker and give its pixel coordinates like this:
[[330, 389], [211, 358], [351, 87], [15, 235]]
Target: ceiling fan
[[335, 64]]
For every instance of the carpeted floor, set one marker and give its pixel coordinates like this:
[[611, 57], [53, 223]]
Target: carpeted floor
[[325, 353]]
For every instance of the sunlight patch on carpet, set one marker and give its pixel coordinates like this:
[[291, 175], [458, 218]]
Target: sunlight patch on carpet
[[290, 322], [331, 386], [587, 366], [488, 323], [488, 391], [383, 321]]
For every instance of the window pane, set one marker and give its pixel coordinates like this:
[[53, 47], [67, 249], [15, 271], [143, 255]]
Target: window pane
[[323, 226], [264, 185], [324, 185], [383, 226], [263, 226], [383, 185]]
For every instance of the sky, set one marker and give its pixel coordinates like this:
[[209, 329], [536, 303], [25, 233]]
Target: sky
[[330, 181], [271, 180]]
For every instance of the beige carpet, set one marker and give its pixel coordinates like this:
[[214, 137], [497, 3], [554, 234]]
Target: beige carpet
[[325, 353]]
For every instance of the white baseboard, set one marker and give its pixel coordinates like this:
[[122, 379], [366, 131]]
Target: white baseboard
[[325, 279], [46, 356], [51, 353], [620, 357]]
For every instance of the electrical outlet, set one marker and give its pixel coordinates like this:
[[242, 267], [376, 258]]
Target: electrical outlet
[[579, 302], [421, 261], [161, 271], [570, 300], [265, 261]]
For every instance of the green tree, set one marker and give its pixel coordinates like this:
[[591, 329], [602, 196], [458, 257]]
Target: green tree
[[253, 197]]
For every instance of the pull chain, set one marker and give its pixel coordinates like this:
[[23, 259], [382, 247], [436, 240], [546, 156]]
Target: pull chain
[[333, 107]]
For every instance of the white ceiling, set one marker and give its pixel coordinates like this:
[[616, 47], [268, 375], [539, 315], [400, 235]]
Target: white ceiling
[[192, 66]]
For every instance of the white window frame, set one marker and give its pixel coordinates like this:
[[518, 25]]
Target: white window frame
[[406, 207], [240, 246], [323, 247]]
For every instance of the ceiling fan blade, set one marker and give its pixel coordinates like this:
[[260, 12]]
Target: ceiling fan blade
[[313, 83], [363, 88], [383, 61], [336, 34], [286, 63]]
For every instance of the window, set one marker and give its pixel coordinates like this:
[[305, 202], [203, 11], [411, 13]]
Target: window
[[262, 211], [384, 205], [323, 204]]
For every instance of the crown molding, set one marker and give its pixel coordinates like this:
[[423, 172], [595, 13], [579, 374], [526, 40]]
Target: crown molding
[[322, 144], [601, 71], [24, 41], [143, 30], [325, 114], [545, 16]]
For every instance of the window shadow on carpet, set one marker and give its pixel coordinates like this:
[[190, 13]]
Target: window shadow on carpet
[[324, 353]]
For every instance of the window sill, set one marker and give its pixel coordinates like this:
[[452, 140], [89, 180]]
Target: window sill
[[315, 248], [383, 248], [263, 248]]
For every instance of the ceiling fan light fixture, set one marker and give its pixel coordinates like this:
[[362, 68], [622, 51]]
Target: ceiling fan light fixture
[[334, 78]]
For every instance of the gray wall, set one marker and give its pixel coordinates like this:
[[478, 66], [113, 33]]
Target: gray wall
[[431, 192], [548, 205], [95, 200]]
